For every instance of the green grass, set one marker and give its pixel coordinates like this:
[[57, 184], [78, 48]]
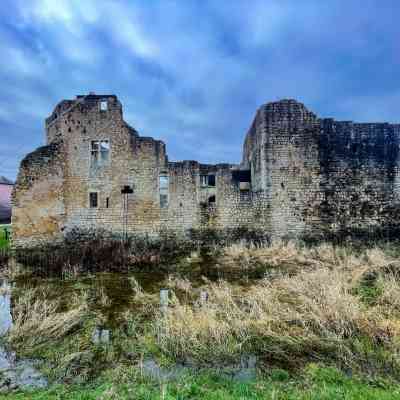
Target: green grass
[[3, 242], [316, 383]]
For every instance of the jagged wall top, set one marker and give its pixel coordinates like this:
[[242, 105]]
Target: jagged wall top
[[56, 123], [287, 112]]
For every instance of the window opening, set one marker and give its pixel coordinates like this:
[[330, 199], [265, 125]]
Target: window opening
[[93, 199], [103, 105], [164, 191], [211, 200], [100, 152], [107, 202], [211, 180]]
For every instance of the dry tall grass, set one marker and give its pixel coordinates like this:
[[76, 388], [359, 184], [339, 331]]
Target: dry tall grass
[[323, 304], [311, 308], [37, 320]]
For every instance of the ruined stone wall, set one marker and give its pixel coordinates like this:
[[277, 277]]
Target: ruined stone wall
[[195, 205], [322, 178], [181, 212], [149, 160], [300, 176], [55, 183], [38, 197], [282, 150], [359, 185], [134, 161], [233, 204]]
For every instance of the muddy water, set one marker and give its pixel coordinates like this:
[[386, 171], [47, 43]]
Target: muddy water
[[108, 295], [14, 373]]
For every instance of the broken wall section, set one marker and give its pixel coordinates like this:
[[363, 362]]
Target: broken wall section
[[38, 198]]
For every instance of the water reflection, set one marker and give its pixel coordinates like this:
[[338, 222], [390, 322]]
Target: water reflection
[[5, 307], [14, 373], [108, 295], [101, 336]]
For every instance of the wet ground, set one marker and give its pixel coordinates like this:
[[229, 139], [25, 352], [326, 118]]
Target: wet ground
[[14, 373], [108, 295]]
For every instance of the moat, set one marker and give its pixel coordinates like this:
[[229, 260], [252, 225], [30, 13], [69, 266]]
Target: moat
[[239, 312]]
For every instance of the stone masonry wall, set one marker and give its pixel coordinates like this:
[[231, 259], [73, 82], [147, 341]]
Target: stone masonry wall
[[134, 161], [281, 148], [38, 212], [324, 178], [359, 170], [300, 176]]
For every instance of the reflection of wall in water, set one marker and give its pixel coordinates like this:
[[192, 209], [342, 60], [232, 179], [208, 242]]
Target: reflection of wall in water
[[5, 307]]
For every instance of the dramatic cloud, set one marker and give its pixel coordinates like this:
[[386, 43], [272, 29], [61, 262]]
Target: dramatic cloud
[[193, 73]]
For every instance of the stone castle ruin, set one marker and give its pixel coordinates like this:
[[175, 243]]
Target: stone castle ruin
[[300, 176]]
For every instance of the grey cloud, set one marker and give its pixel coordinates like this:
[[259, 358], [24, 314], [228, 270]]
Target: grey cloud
[[193, 73]]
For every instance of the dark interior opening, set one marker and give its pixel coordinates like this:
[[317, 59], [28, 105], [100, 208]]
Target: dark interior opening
[[241, 175], [93, 200], [127, 190]]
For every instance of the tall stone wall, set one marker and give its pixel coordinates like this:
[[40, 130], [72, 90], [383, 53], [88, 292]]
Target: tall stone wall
[[299, 176], [133, 161], [321, 177], [359, 171], [38, 208], [281, 148]]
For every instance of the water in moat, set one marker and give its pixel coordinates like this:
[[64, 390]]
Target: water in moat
[[108, 295], [14, 373]]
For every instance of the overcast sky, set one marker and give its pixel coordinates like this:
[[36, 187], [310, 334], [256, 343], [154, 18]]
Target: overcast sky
[[193, 73]]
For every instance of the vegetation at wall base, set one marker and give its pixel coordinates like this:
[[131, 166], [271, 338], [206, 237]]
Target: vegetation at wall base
[[90, 251], [4, 237]]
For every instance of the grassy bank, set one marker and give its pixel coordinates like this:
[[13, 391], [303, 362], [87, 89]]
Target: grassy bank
[[4, 243], [313, 316], [315, 383]]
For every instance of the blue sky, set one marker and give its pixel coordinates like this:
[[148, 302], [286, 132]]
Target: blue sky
[[193, 73]]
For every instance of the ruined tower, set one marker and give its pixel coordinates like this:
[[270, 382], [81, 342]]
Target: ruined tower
[[281, 149]]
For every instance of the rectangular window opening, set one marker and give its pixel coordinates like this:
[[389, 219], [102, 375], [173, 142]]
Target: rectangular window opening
[[243, 178], [211, 180], [107, 202], [203, 180], [103, 105], [93, 199], [100, 152], [164, 191]]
